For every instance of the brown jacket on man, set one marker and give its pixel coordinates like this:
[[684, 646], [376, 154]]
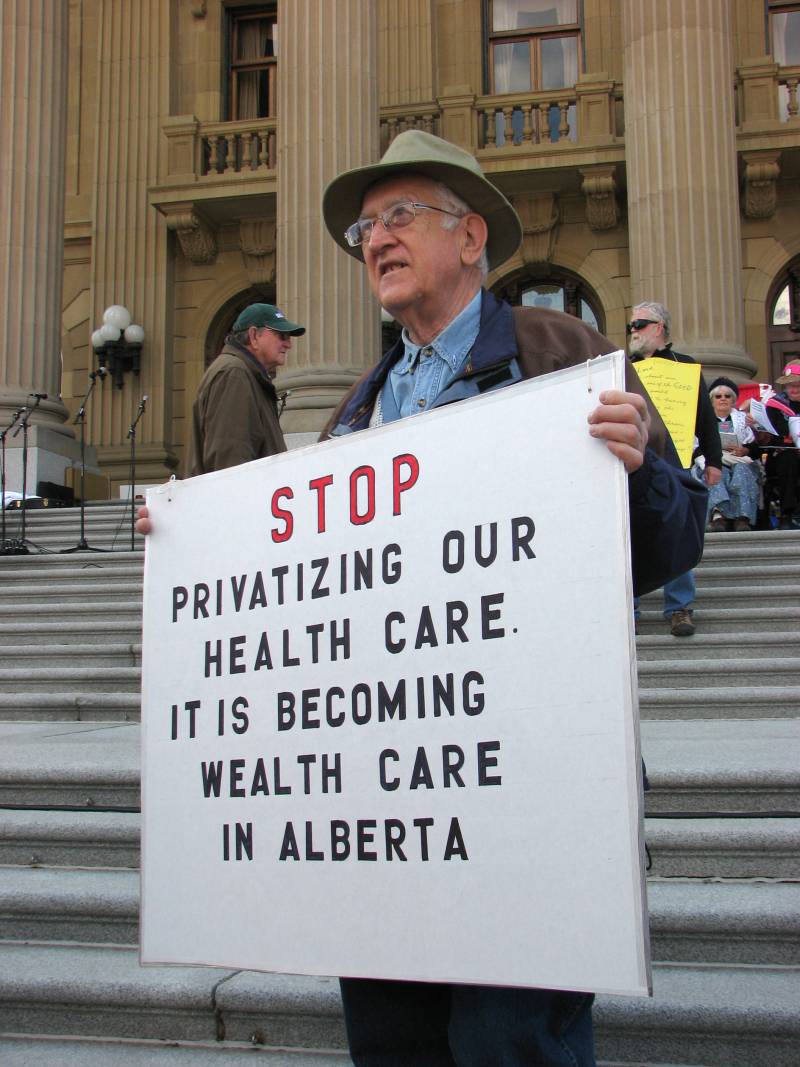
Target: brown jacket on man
[[235, 415]]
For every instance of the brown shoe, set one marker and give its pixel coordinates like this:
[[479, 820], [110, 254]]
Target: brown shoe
[[742, 523], [681, 624], [718, 524]]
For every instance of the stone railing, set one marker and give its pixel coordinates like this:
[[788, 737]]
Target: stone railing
[[524, 119], [788, 79], [395, 120], [766, 94], [234, 147]]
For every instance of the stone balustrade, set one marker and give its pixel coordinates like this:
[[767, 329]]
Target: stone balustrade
[[234, 147], [396, 120], [525, 119], [788, 78]]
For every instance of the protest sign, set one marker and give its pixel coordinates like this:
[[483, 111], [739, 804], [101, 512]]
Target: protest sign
[[673, 389], [389, 704]]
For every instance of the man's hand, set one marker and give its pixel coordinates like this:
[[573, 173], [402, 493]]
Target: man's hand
[[712, 475], [622, 421], [143, 524]]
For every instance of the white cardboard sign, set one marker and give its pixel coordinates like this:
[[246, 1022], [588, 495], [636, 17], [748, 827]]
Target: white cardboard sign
[[389, 705]]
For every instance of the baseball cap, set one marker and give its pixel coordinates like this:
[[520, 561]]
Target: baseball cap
[[267, 315]]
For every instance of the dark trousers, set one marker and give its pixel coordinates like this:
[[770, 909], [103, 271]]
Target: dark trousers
[[415, 1024], [784, 468]]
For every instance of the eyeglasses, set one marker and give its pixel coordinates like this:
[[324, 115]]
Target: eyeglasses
[[639, 324], [394, 218], [723, 396]]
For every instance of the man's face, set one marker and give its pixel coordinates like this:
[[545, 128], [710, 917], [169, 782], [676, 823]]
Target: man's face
[[269, 347], [418, 266], [793, 390], [646, 340]]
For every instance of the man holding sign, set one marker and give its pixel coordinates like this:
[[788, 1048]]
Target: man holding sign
[[649, 331], [428, 227]]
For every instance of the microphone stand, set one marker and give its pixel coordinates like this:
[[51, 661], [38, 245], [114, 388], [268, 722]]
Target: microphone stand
[[21, 546], [132, 436], [6, 547], [80, 419]]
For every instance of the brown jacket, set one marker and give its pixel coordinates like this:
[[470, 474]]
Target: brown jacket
[[235, 415]]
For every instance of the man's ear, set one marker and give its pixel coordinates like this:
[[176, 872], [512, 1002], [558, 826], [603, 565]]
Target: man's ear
[[476, 234]]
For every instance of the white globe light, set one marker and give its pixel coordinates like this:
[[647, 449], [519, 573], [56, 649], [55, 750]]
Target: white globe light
[[118, 316], [109, 332], [134, 334], [98, 340]]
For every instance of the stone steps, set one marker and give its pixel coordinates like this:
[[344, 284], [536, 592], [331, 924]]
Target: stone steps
[[722, 827], [660, 645], [680, 847], [743, 621], [717, 1015], [42, 1051], [102, 991], [738, 702], [697, 767], [46, 657], [70, 707], [690, 921], [50, 839]]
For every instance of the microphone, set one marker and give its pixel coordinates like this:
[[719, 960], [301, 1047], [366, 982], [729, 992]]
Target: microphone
[[100, 373], [143, 401], [39, 396]]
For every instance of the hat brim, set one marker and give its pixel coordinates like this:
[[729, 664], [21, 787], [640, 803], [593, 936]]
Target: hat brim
[[341, 202], [787, 379]]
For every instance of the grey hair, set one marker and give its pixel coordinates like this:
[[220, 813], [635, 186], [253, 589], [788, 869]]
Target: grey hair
[[241, 337], [660, 313], [453, 202]]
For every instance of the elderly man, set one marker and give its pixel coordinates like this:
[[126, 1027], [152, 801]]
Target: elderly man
[[428, 225], [235, 414], [649, 331]]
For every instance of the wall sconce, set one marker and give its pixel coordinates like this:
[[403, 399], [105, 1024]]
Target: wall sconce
[[118, 343]]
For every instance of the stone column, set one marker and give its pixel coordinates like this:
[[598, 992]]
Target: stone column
[[33, 113], [327, 123], [131, 263], [683, 199]]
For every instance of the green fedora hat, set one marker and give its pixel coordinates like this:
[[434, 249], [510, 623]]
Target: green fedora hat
[[416, 152]]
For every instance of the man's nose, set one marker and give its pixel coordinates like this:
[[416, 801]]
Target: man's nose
[[379, 235]]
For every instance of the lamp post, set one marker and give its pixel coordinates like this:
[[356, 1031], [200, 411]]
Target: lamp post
[[118, 343]]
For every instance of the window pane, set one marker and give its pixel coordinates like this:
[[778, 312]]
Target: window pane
[[786, 38], [512, 67], [544, 296], [781, 315], [559, 62], [254, 39], [526, 14], [588, 315], [252, 94]]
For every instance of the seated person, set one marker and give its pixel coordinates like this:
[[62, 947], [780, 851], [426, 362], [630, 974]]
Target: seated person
[[783, 464], [733, 501]]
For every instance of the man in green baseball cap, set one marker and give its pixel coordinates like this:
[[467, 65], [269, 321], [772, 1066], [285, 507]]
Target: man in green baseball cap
[[235, 414], [428, 227]]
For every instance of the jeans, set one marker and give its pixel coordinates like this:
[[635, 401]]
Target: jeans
[[416, 1024], [678, 595]]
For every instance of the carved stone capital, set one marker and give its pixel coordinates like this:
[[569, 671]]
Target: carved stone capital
[[257, 242], [600, 188], [538, 213], [761, 173], [197, 236]]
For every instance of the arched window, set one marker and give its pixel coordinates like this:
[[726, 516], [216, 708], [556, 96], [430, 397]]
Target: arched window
[[783, 320], [226, 316], [560, 291]]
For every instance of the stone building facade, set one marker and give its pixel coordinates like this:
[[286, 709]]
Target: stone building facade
[[652, 151]]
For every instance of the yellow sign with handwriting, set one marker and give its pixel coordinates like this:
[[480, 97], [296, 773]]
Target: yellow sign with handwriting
[[673, 389]]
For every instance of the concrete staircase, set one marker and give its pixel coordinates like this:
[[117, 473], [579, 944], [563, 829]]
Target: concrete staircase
[[721, 736]]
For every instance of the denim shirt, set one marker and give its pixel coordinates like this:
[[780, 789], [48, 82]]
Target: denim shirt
[[424, 371]]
